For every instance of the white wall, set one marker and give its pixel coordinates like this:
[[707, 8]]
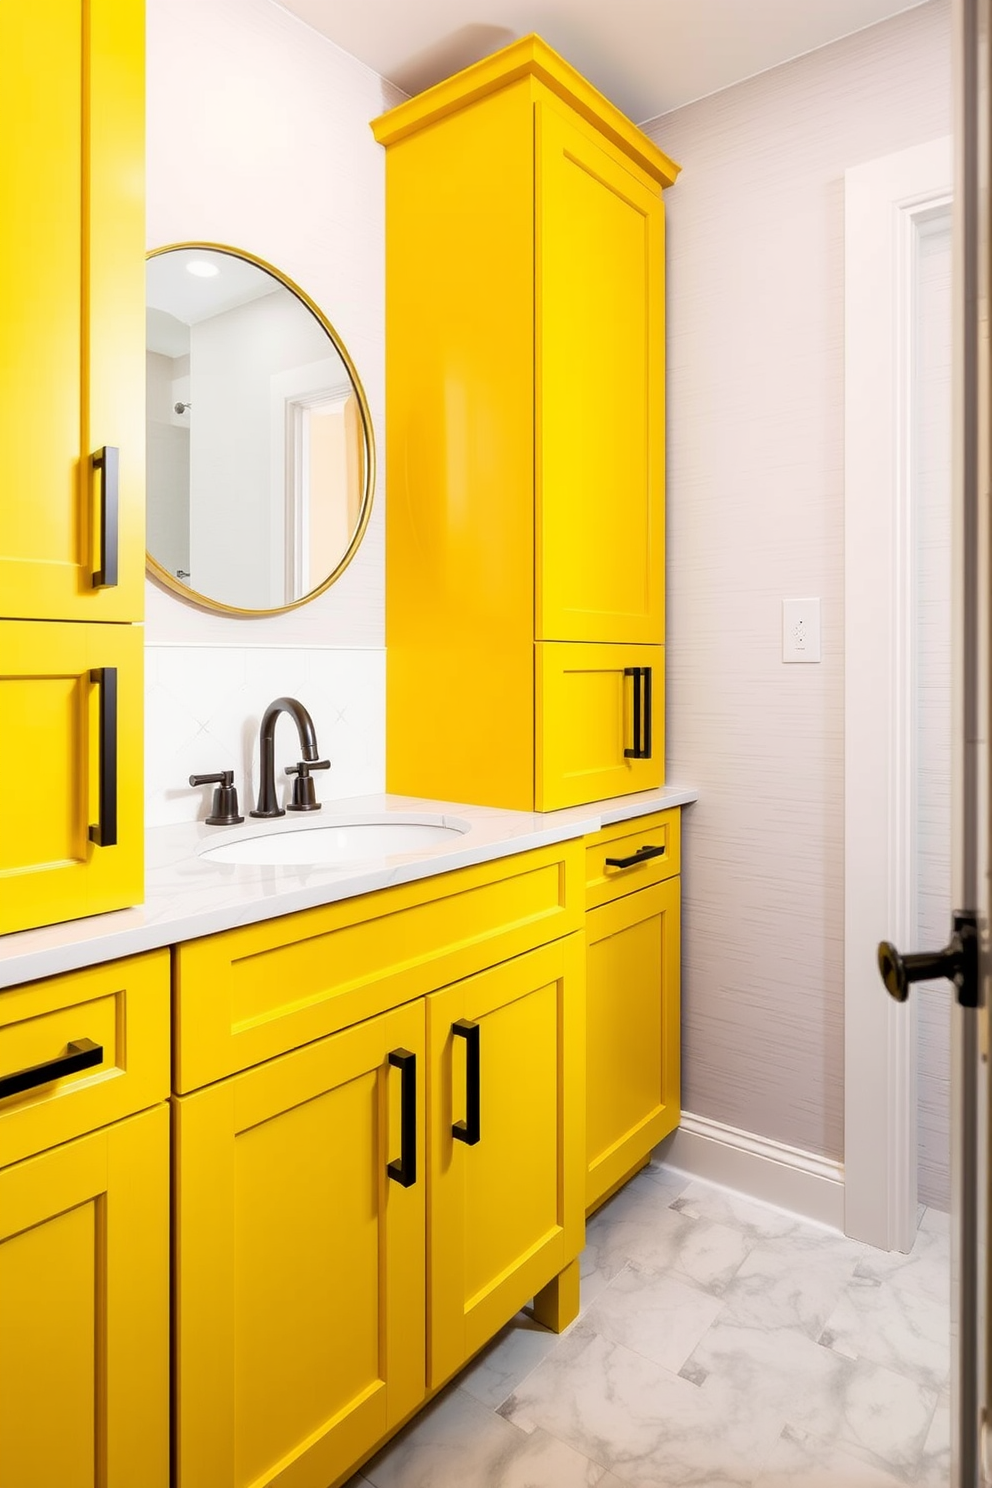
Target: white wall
[[755, 515], [258, 138]]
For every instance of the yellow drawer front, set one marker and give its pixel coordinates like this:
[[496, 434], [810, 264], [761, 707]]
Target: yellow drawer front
[[247, 995], [122, 1009], [71, 707], [84, 1311], [632, 1032], [632, 854], [589, 697]]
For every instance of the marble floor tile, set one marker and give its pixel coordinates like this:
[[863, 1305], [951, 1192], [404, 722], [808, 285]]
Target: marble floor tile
[[456, 1442], [655, 1315], [885, 1416], [517, 1349], [794, 1281], [935, 1464], [802, 1459], [700, 1200], [651, 1428], [892, 1322]]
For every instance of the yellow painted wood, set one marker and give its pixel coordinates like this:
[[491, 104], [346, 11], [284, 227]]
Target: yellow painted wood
[[624, 839], [84, 1311], [505, 1213], [125, 1007], [632, 1031], [299, 1264], [49, 868], [249, 994], [585, 722], [557, 1304], [601, 414], [528, 57], [71, 301]]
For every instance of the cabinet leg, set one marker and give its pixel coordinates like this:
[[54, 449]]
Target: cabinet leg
[[557, 1304]]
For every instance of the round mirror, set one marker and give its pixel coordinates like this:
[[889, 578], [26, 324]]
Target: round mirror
[[259, 457]]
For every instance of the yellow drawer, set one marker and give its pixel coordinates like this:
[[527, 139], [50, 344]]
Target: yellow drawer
[[247, 995], [625, 841], [121, 1009]]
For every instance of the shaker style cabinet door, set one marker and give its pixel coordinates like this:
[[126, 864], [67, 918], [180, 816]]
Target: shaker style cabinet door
[[632, 1032], [505, 1053], [84, 1311], [300, 1259], [600, 398], [72, 310], [72, 838]]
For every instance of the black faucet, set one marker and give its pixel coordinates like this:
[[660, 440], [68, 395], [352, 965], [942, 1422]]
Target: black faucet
[[267, 803]]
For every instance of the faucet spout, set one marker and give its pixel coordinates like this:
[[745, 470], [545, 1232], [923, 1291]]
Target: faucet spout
[[267, 802]]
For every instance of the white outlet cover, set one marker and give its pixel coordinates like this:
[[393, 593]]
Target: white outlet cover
[[800, 630]]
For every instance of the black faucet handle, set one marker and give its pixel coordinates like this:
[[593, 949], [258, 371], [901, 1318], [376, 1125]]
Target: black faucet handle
[[304, 795], [224, 812]]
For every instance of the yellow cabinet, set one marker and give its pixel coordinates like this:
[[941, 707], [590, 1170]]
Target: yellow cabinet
[[525, 433], [84, 1311], [505, 1057], [300, 1259], [72, 310], [70, 749]]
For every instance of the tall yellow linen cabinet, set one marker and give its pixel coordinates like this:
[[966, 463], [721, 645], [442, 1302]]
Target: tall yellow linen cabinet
[[525, 439], [72, 429]]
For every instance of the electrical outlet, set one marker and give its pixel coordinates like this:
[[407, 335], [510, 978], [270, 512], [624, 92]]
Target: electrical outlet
[[800, 630]]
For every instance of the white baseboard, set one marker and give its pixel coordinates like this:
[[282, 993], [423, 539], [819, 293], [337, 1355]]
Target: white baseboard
[[773, 1172]]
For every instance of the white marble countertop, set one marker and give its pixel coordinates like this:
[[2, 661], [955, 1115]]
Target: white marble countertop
[[187, 895]]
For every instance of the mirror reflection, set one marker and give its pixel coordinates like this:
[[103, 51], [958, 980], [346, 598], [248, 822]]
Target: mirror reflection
[[259, 454]]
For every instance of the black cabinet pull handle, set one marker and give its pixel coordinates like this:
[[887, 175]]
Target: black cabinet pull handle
[[647, 712], [404, 1168], [81, 1054], [467, 1131], [642, 712], [104, 832], [107, 461], [635, 674], [640, 856]]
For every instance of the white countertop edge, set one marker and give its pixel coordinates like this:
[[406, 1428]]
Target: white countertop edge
[[175, 911]]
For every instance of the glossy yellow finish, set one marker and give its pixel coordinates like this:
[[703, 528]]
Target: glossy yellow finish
[[525, 421], [125, 1007], [557, 1304], [585, 722], [506, 1214], [604, 881], [84, 1311], [632, 1026], [49, 868], [71, 302], [249, 994], [299, 1265]]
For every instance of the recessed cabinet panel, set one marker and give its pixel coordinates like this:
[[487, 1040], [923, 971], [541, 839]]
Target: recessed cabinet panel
[[632, 1032], [71, 701], [600, 326], [84, 1311]]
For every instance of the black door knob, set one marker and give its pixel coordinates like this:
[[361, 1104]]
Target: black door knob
[[958, 962]]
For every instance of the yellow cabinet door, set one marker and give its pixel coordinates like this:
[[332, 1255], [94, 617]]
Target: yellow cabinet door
[[72, 310], [600, 722], [72, 842], [632, 1032], [300, 1259], [84, 1311], [505, 1057], [600, 400]]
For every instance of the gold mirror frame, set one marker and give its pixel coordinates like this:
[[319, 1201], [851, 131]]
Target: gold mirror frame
[[215, 606]]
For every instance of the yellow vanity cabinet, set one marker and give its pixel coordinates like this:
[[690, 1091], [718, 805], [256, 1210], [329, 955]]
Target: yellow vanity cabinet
[[632, 997], [525, 439], [84, 1228], [72, 316]]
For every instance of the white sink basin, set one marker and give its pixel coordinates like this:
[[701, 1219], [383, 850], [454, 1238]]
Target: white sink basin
[[338, 843]]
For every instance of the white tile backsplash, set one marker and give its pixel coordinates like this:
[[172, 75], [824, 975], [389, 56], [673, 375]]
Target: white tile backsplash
[[204, 704]]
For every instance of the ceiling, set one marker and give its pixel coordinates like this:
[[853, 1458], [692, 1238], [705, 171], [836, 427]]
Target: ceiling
[[647, 56]]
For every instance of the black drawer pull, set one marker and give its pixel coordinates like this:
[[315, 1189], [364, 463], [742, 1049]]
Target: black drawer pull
[[404, 1168], [640, 856], [467, 1131], [107, 461], [82, 1054], [104, 831], [641, 677]]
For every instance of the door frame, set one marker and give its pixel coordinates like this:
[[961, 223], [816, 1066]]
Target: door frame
[[888, 203]]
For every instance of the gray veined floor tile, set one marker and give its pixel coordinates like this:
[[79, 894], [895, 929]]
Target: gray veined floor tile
[[935, 1465], [795, 1281], [514, 1352], [457, 1443], [802, 1459], [895, 1323], [700, 1200], [655, 1315], [648, 1426]]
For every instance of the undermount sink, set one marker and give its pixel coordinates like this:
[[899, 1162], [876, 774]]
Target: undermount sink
[[341, 842]]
